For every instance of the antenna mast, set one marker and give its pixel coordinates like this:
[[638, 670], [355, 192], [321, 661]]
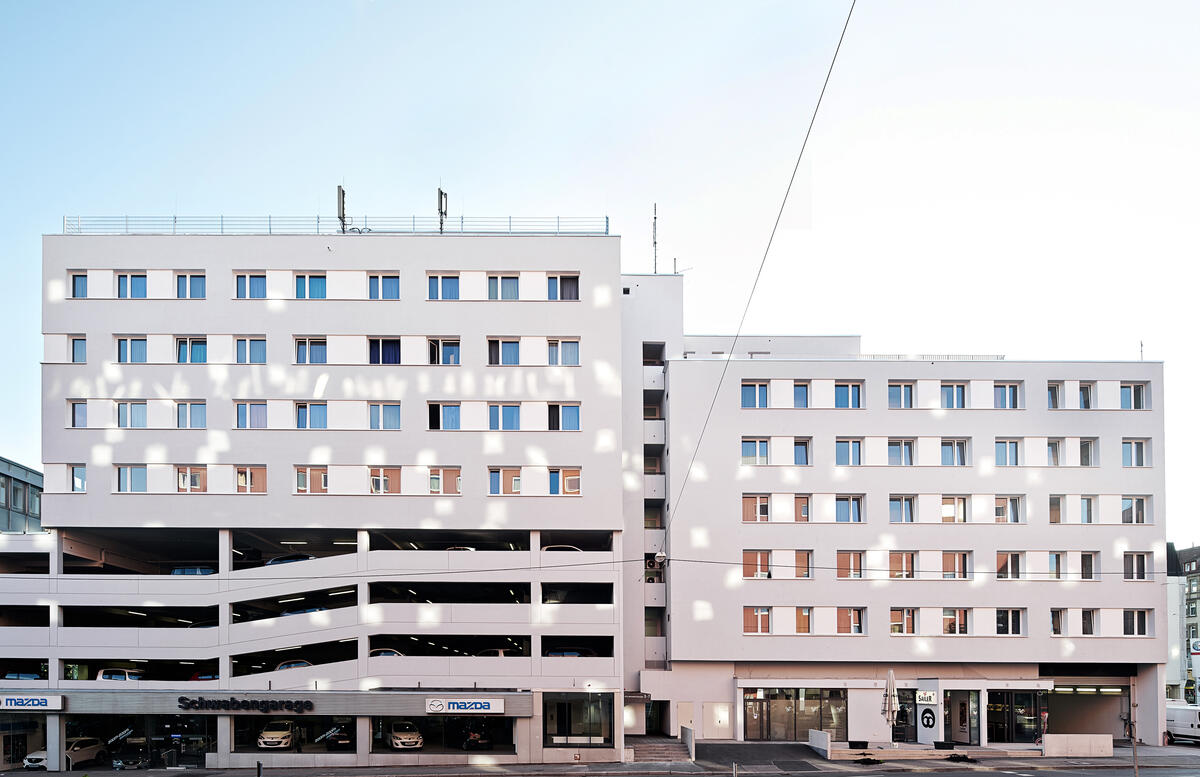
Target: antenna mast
[[654, 237], [443, 202], [341, 205]]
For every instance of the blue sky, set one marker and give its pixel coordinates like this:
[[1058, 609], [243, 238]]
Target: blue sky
[[985, 177]]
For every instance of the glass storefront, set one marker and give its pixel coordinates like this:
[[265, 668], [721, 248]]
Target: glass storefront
[[442, 734], [786, 714], [1014, 716], [577, 719], [905, 729], [961, 717], [293, 734], [19, 736], [161, 740]]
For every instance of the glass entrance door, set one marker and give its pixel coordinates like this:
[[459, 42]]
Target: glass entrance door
[[757, 725], [1013, 716], [905, 729]]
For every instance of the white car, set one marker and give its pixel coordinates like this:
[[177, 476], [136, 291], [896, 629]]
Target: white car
[[119, 675], [405, 736], [278, 735], [78, 749]]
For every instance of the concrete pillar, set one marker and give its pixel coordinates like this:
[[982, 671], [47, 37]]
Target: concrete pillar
[[224, 551], [56, 736], [224, 740], [927, 734], [619, 723], [1147, 691], [362, 740], [983, 705]]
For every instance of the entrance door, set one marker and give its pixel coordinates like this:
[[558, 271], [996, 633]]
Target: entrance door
[[656, 717], [961, 717], [1013, 716], [905, 729], [757, 720]]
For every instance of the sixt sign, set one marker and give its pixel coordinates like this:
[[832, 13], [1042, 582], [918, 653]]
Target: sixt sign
[[464, 706], [24, 701]]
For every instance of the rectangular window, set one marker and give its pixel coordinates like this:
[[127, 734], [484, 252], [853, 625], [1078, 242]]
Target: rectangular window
[[312, 480], [1087, 566], [901, 509], [443, 287], [904, 620], [78, 415], [564, 352], [954, 509], [131, 287], [131, 415], [1007, 453], [849, 564], [385, 480], [799, 394], [900, 396], [848, 395], [251, 480], [803, 564], [1056, 509], [79, 286], [252, 351], [1135, 566], [78, 350], [191, 479], [849, 453], [252, 415], [804, 620], [444, 351], [576, 720], [954, 453], [1058, 618], [505, 352], [1007, 395], [1008, 622], [802, 508], [1052, 450], [956, 565], [385, 415], [444, 415], [1133, 509], [1133, 453], [563, 418], [445, 480], [190, 286], [1008, 509], [131, 350], [310, 287], [383, 350], [564, 482], [1133, 396], [562, 287], [1136, 622], [311, 350], [503, 287], [954, 620], [851, 620], [954, 396], [1008, 566], [756, 620], [754, 393], [800, 452], [1058, 565], [504, 417], [78, 480], [191, 350], [251, 286], [1090, 619], [131, 479], [1087, 509], [504, 481], [1054, 393], [848, 509], [902, 565], [900, 452], [1087, 452], [756, 564], [385, 287], [1086, 390], [312, 415], [754, 450]]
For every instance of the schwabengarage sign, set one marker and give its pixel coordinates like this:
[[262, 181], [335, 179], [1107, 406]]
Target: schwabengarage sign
[[235, 704]]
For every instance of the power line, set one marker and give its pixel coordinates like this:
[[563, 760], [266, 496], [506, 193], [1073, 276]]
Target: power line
[[758, 275]]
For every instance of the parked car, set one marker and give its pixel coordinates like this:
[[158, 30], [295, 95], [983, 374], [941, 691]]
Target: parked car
[[475, 736], [499, 652], [1183, 723], [120, 675], [78, 749], [571, 651], [406, 736], [278, 735], [302, 611], [460, 547], [23, 676], [131, 761], [290, 558], [204, 676], [295, 663], [392, 652], [209, 624], [563, 547], [193, 571], [341, 738]]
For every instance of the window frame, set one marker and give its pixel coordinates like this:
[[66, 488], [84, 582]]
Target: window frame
[[852, 390], [305, 345], [854, 508]]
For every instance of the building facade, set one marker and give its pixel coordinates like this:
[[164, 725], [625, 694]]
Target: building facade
[[20, 498], [315, 499], [1189, 589]]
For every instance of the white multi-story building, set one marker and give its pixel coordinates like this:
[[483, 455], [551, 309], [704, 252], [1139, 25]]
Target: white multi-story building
[[311, 493]]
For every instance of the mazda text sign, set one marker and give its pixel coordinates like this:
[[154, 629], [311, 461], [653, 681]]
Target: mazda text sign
[[23, 701], [464, 706]]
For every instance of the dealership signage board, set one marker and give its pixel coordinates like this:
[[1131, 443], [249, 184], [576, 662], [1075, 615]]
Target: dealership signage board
[[31, 701], [470, 706]]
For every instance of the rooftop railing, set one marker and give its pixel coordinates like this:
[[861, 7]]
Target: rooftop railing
[[330, 225]]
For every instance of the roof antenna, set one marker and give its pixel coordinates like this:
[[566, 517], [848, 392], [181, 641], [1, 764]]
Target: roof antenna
[[1141, 351], [654, 237], [342, 207], [443, 203]]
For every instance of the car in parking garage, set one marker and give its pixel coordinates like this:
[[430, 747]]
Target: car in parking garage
[[194, 570], [290, 558], [119, 675], [295, 663], [388, 652], [406, 736], [79, 750], [278, 735]]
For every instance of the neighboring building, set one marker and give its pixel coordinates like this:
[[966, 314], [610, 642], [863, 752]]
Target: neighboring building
[[1178, 649], [322, 492], [20, 498], [1189, 563]]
